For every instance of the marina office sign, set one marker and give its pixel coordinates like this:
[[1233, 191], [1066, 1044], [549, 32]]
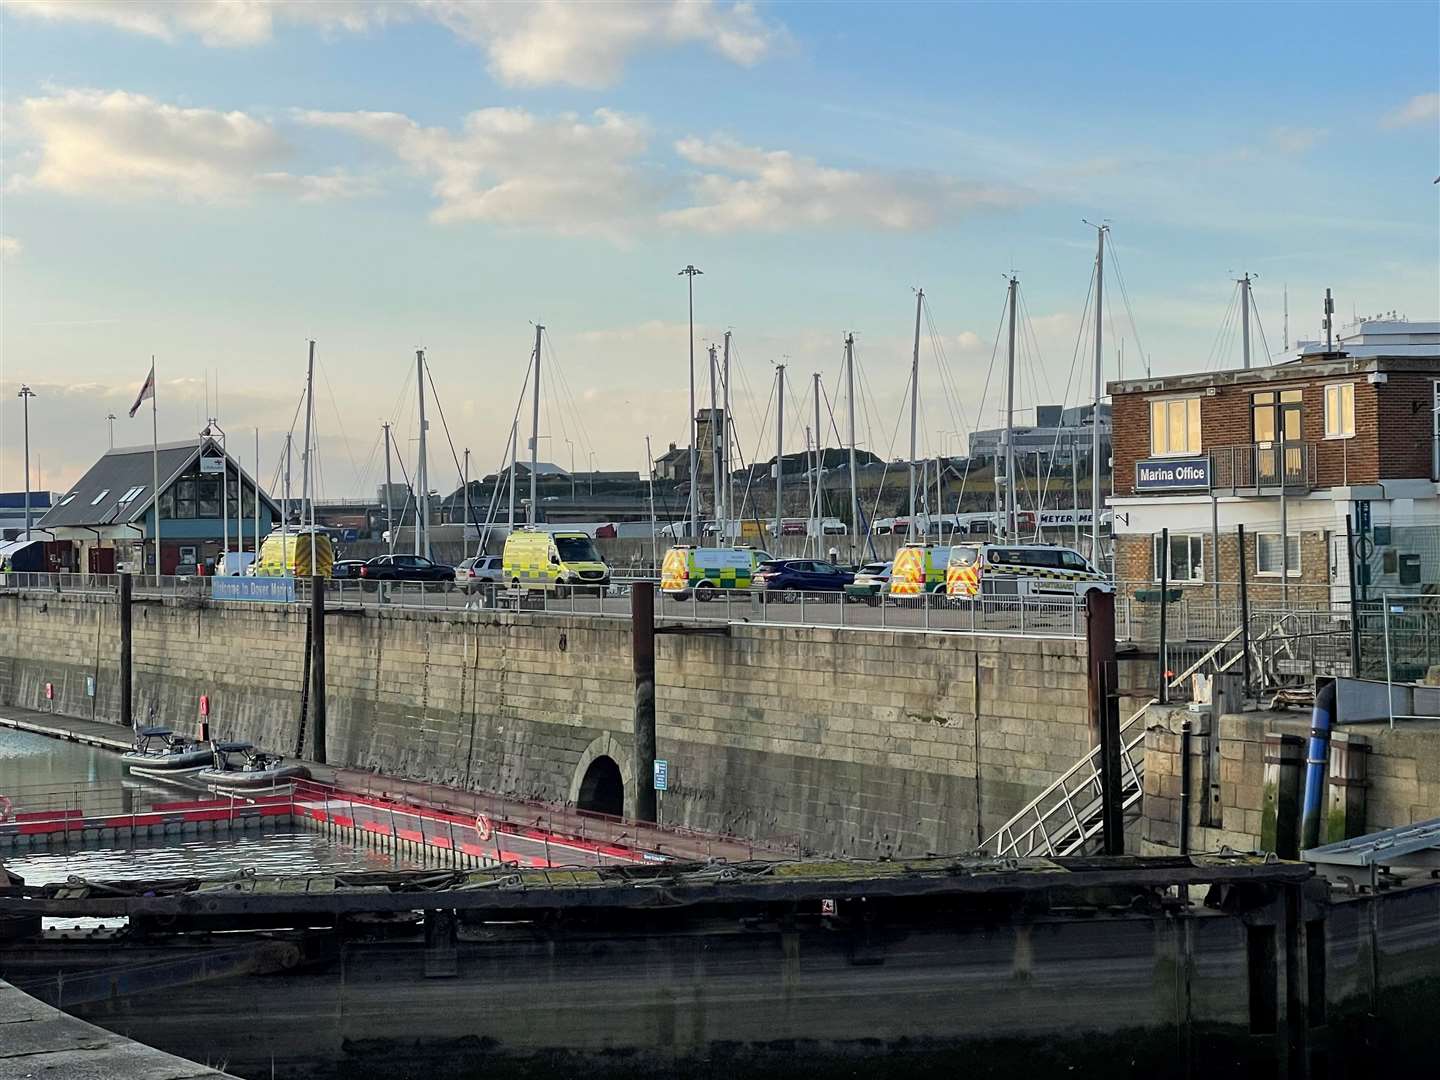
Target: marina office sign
[[1173, 474]]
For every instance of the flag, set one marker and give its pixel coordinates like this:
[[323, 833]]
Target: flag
[[146, 391]]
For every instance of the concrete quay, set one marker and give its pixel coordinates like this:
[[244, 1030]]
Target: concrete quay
[[38, 1042]]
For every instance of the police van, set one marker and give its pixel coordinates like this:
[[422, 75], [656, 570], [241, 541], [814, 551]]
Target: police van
[[1033, 571], [706, 571]]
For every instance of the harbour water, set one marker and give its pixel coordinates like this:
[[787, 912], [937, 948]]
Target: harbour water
[[80, 774]]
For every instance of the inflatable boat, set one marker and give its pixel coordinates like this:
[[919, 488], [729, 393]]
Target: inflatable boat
[[257, 770]]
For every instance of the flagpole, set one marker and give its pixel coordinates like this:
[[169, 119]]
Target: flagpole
[[155, 463]]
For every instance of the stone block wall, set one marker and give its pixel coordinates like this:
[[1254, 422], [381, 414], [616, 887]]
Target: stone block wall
[[1402, 785], [838, 740]]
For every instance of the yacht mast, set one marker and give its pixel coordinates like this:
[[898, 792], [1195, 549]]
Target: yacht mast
[[534, 516], [854, 482], [779, 444], [1099, 393], [1011, 506], [914, 409], [422, 474]]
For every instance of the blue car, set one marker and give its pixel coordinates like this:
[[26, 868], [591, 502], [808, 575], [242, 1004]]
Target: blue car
[[790, 577]]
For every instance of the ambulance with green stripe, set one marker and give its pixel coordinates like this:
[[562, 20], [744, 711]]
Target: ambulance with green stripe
[[708, 571], [535, 559], [1031, 571]]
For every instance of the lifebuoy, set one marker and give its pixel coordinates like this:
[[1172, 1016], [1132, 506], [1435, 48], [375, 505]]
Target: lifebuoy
[[483, 828]]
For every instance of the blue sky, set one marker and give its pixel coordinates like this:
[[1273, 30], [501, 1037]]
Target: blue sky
[[211, 183]]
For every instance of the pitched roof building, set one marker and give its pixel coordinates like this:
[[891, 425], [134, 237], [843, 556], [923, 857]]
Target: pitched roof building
[[205, 496]]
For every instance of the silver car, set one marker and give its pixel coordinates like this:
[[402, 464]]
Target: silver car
[[472, 573]]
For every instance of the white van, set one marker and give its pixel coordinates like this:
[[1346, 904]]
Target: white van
[[1033, 571]]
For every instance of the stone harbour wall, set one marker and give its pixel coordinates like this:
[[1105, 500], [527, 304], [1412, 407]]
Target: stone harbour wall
[[846, 741]]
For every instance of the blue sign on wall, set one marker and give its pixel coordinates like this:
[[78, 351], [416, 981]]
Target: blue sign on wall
[[267, 590], [662, 775], [1173, 474]]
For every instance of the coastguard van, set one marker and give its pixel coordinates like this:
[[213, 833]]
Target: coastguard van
[[1035, 571], [708, 570], [542, 560], [287, 554], [919, 568]]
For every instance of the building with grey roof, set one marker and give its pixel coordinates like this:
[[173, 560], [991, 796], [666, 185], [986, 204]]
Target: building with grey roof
[[109, 515]]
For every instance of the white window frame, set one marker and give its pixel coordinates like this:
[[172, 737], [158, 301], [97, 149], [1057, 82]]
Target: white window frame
[[1194, 541], [96, 500], [68, 499], [1435, 441], [1294, 566], [1170, 451], [1335, 425]]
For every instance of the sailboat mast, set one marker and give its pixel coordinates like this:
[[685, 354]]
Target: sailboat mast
[[534, 514], [650, 472], [715, 456], [307, 457], [854, 482], [1099, 392], [914, 409], [1244, 284], [285, 509], [389, 504], [725, 444], [514, 446], [819, 465], [779, 444], [1011, 520], [422, 476]]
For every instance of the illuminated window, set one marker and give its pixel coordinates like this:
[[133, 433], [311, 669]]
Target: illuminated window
[[1175, 427], [1340, 410]]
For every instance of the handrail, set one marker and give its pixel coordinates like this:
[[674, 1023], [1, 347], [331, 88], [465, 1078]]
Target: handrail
[[1060, 784]]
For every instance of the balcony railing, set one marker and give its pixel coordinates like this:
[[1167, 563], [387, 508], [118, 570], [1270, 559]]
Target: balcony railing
[[1264, 466]]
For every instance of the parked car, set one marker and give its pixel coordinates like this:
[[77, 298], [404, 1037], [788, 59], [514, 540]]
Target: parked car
[[790, 577], [476, 571], [871, 580], [407, 568], [346, 568]]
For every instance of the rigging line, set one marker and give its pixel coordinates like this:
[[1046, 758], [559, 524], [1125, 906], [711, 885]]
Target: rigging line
[[494, 510], [559, 394], [749, 470], [894, 435], [339, 420], [1125, 294], [949, 385], [459, 469], [984, 396], [1069, 378], [570, 399], [1255, 310]]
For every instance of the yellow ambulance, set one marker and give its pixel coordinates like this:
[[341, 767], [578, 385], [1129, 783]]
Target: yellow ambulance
[[535, 559], [707, 570], [919, 568], [287, 554]]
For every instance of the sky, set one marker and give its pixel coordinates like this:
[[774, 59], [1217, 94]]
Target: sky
[[214, 183]]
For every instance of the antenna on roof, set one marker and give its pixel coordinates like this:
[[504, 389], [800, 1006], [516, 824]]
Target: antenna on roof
[[1329, 319]]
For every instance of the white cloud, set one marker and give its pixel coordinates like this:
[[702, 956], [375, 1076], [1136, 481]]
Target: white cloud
[[10, 247], [1293, 140], [1420, 109], [775, 190], [528, 44], [122, 145], [566, 174]]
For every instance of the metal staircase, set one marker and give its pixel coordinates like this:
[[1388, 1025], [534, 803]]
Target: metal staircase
[[1064, 817]]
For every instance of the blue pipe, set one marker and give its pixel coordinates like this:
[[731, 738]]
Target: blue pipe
[[1317, 758]]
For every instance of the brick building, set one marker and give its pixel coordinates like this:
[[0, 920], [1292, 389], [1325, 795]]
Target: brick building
[[1292, 449]]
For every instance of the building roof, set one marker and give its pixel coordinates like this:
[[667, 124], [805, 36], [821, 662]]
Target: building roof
[[1305, 368], [100, 496]]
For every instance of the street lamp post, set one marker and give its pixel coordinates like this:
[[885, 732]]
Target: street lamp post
[[571, 445], [25, 395], [592, 474]]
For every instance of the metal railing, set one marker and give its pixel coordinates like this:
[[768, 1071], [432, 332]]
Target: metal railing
[[1290, 465], [1066, 815]]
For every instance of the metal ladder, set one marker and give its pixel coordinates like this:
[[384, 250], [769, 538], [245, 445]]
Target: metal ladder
[[1066, 815]]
